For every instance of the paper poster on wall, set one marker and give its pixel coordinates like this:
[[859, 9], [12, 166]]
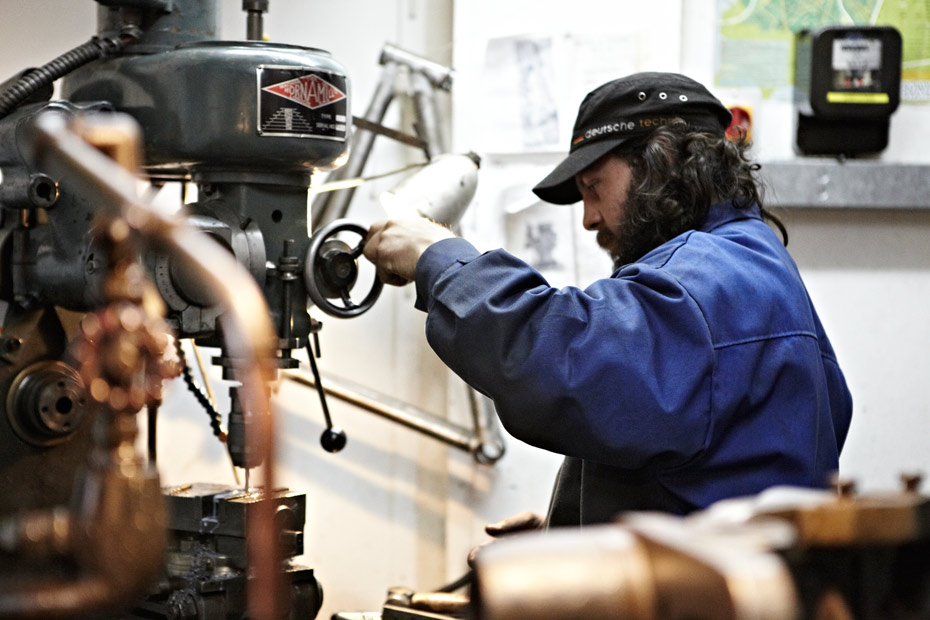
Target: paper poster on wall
[[518, 100], [531, 86], [755, 40], [595, 60]]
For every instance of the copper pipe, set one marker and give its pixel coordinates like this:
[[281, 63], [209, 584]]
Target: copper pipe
[[247, 327], [115, 562]]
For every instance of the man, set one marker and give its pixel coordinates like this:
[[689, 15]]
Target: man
[[697, 371]]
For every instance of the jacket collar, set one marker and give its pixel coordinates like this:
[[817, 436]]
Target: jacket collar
[[726, 212]]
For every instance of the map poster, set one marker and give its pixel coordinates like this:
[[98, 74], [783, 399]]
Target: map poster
[[756, 39]]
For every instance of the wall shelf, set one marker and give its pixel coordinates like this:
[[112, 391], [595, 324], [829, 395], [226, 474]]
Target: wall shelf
[[850, 184]]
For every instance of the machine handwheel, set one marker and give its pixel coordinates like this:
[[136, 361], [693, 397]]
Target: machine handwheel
[[331, 270]]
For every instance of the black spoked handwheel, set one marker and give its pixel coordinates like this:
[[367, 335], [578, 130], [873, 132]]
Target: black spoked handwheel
[[331, 270]]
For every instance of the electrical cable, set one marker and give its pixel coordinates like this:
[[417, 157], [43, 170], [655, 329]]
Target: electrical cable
[[216, 418], [40, 77]]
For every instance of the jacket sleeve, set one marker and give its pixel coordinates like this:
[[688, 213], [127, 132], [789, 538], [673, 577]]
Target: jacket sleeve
[[619, 373]]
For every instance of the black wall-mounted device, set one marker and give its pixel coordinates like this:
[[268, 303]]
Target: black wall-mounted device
[[847, 84]]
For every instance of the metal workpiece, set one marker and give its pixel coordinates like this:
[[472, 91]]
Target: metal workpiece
[[439, 75], [224, 513], [656, 568], [602, 572], [429, 126], [721, 571], [425, 77], [864, 556], [330, 206], [207, 557], [868, 520], [784, 554]]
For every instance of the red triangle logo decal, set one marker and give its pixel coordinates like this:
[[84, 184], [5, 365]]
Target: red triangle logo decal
[[310, 91]]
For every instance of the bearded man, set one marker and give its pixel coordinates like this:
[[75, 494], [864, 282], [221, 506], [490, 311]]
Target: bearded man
[[697, 371]]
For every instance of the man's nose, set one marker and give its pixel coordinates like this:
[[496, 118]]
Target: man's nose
[[591, 218]]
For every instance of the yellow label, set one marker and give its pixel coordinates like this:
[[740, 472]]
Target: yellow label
[[842, 97]]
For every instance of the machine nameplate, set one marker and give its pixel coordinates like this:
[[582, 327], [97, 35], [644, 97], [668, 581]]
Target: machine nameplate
[[301, 102]]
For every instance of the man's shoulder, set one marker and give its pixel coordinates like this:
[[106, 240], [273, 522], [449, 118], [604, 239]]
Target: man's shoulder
[[737, 241], [737, 269]]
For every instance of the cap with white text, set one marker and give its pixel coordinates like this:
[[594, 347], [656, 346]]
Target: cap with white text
[[624, 108]]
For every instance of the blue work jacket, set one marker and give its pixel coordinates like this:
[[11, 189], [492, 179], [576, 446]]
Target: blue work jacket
[[697, 373]]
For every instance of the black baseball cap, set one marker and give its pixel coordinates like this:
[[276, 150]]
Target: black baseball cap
[[625, 108]]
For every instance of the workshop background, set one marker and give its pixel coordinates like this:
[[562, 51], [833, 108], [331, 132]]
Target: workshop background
[[397, 508]]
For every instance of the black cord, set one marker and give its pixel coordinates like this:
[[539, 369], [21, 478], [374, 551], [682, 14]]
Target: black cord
[[41, 77], [216, 418]]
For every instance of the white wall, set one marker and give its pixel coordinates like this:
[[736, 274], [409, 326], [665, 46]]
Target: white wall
[[397, 509]]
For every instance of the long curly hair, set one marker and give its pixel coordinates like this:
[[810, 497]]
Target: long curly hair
[[678, 174]]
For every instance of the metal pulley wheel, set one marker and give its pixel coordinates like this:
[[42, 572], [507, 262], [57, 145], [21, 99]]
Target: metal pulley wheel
[[331, 271], [46, 403]]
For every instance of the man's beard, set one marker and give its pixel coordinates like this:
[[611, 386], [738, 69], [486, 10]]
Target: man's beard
[[629, 239]]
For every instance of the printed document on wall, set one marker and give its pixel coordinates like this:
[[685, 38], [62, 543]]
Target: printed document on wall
[[531, 84]]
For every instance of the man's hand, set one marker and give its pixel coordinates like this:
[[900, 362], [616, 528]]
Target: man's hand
[[395, 246], [523, 522]]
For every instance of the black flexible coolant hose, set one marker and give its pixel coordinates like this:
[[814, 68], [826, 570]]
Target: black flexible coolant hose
[[38, 78], [216, 419]]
